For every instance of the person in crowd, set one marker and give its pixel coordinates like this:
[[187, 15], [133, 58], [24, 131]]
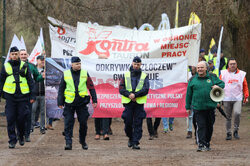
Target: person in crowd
[[102, 128], [167, 124], [37, 77], [16, 86], [212, 69], [134, 88], [152, 129], [73, 96], [198, 97], [40, 97], [236, 90]]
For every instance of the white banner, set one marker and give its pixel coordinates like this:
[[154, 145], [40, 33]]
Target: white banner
[[63, 40], [106, 42], [15, 42]]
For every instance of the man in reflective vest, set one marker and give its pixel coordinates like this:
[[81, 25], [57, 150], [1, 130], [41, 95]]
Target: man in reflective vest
[[236, 90], [212, 69], [73, 96], [16, 86], [134, 89]]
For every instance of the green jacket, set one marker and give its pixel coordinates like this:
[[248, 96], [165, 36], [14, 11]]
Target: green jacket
[[198, 92], [36, 75]]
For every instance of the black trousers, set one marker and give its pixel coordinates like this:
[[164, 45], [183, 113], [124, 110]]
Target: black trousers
[[152, 129], [16, 114], [205, 120], [133, 116], [28, 121], [82, 116], [102, 124]]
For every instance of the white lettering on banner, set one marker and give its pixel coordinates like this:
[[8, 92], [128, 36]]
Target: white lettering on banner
[[161, 105], [111, 105], [109, 96]]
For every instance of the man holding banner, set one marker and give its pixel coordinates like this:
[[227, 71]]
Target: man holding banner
[[134, 89], [73, 94]]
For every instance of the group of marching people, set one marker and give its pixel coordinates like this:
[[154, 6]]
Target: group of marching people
[[22, 85]]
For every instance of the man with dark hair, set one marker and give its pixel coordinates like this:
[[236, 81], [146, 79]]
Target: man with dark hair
[[73, 96], [16, 85], [134, 88], [40, 98], [236, 90]]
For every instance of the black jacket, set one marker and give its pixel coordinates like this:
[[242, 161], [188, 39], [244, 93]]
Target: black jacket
[[135, 78], [17, 96], [78, 101]]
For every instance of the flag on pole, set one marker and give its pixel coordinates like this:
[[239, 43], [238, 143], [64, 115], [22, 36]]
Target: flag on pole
[[15, 42], [42, 42], [212, 47], [22, 44], [38, 50], [165, 24], [194, 19], [217, 66], [176, 14]]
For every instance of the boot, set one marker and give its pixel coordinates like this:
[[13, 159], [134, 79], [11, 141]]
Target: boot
[[229, 136], [236, 136]]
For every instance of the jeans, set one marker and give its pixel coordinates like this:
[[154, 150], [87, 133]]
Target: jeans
[[39, 103], [190, 121], [167, 122]]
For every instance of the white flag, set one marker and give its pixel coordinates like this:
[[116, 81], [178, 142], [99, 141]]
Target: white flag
[[165, 24], [15, 42], [36, 51], [42, 42], [217, 66], [22, 44]]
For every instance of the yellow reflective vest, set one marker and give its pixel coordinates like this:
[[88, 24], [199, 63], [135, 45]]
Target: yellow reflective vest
[[139, 100], [10, 85], [69, 92], [225, 66]]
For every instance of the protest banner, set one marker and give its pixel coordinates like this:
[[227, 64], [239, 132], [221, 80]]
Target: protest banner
[[166, 96], [107, 42], [63, 39]]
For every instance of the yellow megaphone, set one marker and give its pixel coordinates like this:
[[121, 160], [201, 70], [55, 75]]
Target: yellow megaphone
[[217, 94]]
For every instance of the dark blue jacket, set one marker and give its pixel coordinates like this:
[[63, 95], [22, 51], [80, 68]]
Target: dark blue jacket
[[135, 78]]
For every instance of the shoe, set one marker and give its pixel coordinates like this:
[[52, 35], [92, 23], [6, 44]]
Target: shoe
[[201, 148], [85, 146], [12, 145], [37, 125], [27, 139], [229, 136], [151, 137], [63, 133], [236, 135], [155, 134], [171, 127], [68, 147], [136, 147], [2, 114], [97, 137], [130, 144], [21, 141], [50, 127], [42, 131], [106, 137], [165, 131], [31, 130], [189, 134], [207, 148]]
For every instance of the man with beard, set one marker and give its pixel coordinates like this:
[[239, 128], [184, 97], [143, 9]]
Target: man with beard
[[134, 89]]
